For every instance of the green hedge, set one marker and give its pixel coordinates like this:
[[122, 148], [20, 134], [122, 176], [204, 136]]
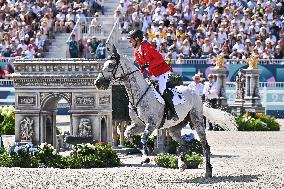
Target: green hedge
[[171, 161], [257, 122]]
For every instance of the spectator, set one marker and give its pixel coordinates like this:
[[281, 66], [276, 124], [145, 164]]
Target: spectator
[[101, 51], [70, 21], [196, 85], [59, 22], [30, 52], [73, 47], [210, 91]]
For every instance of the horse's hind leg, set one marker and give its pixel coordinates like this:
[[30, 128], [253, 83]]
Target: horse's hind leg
[[197, 122], [175, 133]]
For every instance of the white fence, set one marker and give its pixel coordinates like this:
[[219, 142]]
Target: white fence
[[272, 94], [227, 61]]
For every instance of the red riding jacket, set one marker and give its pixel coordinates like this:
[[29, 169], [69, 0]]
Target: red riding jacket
[[149, 55]]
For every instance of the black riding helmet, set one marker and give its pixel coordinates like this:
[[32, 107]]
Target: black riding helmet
[[135, 34]]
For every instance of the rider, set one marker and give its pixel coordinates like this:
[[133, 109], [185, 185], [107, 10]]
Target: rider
[[147, 56]]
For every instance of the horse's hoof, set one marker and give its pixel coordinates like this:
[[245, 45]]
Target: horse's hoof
[[146, 161], [182, 167], [208, 175]]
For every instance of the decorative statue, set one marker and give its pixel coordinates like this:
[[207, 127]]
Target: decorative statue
[[240, 84], [219, 61], [85, 128], [26, 127], [252, 61], [146, 117]]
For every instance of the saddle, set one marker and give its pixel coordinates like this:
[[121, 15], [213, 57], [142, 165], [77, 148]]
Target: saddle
[[176, 95]]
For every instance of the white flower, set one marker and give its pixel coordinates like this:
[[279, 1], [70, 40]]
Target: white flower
[[9, 113], [3, 113], [42, 145], [54, 152], [5, 108], [11, 108]]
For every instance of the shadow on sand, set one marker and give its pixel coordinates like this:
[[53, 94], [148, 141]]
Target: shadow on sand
[[218, 179], [223, 156]]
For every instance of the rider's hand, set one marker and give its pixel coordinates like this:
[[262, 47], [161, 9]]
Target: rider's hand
[[144, 66]]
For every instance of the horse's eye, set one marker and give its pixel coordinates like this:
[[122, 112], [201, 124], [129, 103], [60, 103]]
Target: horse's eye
[[111, 65]]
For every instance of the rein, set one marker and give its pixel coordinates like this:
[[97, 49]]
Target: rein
[[126, 76]]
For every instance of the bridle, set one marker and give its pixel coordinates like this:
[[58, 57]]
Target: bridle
[[123, 78], [114, 70]]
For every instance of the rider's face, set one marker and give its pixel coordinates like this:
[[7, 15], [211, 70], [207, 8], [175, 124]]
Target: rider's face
[[132, 42]]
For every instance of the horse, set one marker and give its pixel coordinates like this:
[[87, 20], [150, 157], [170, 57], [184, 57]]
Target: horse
[[147, 113]]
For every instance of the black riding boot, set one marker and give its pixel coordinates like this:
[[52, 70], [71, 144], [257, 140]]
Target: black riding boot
[[170, 108]]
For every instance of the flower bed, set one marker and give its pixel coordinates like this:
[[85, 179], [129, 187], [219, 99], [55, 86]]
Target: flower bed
[[84, 156], [257, 122]]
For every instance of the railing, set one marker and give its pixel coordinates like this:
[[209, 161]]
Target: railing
[[7, 59], [90, 27], [52, 66], [227, 61], [113, 37], [272, 94], [6, 82]]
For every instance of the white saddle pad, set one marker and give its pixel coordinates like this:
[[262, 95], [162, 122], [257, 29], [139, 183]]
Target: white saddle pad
[[177, 99]]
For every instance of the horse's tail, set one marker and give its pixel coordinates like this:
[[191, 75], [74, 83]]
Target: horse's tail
[[224, 119]]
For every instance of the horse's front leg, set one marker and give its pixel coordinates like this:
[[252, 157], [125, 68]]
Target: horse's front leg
[[144, 138]]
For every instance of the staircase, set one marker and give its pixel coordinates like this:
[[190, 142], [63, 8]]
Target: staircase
[[110, 6], [124, 46], [58, 47]]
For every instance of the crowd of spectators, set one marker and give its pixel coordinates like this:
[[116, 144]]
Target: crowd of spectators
[[182, 29], [28, 26]]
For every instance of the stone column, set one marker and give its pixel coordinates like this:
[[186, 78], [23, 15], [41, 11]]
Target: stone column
[[220, 74], [53, 116], [237, 107], [252, 98], [121, 134], [161, 141], [114, 133]]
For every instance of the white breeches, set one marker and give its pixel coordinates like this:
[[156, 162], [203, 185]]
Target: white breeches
[[162, 79]]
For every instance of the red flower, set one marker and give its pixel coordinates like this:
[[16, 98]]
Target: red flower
[[101, 142]]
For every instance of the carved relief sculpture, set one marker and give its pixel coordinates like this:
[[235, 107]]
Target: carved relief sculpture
[[85, 128], [103, 100], [26, 129], [26, 100], [85, 100]]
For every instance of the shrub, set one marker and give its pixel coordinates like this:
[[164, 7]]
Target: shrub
[[171, 161], [194, 145], [19, 156], [257, 122], [48, 157], [84, 156], [89, 156], [7, 120], [136, 142]]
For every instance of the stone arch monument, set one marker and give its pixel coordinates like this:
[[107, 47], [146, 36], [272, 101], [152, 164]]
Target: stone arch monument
[[41, 83]]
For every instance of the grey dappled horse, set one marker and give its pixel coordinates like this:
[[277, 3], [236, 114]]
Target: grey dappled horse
[[147, 113]]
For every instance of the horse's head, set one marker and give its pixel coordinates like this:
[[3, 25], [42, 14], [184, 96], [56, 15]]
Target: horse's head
[[109, 72]]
